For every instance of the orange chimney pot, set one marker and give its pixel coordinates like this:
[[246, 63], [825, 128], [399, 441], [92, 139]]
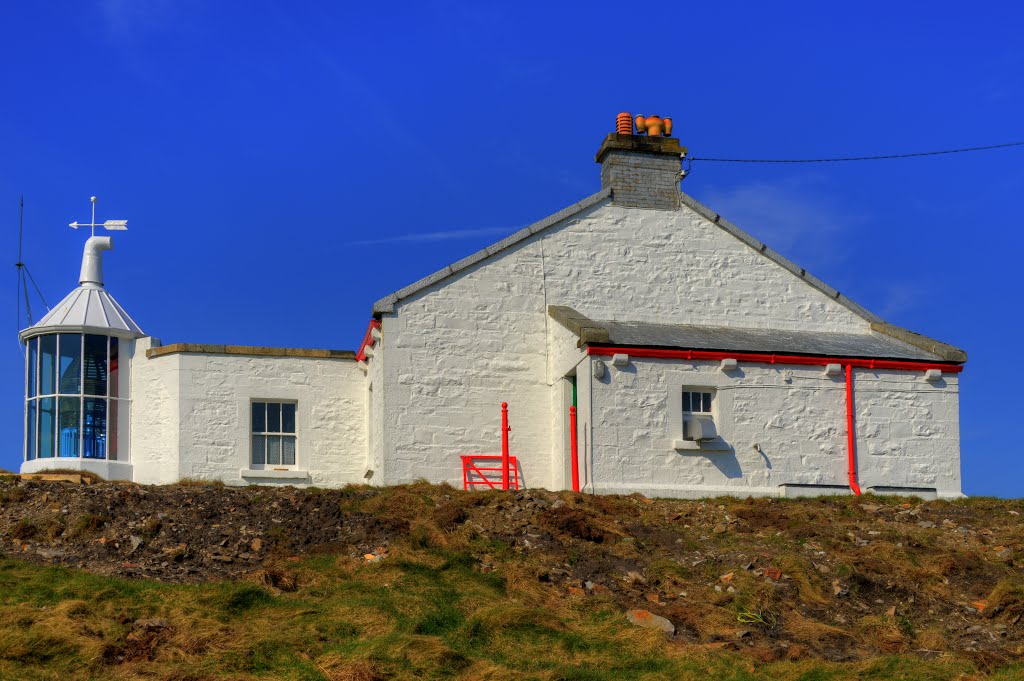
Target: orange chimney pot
[[624, 123]]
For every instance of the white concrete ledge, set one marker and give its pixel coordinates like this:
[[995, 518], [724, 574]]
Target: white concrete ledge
[[274, 475], [809, 490], [717, 445], [685, 492], [108, 470]]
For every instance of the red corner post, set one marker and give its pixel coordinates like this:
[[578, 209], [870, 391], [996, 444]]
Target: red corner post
[[851, 436], [575, 450], [504, 445]]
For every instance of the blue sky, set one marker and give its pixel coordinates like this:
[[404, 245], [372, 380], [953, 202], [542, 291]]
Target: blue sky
[[283, 165]]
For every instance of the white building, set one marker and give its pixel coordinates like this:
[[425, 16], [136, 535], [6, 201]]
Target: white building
[[700, 363]]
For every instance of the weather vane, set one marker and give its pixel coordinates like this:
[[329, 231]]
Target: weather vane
[[111, 225]]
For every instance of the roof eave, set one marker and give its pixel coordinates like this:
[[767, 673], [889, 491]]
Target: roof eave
[[34, 331]]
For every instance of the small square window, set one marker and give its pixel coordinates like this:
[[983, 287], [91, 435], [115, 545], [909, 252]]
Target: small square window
[[697, 402], [273, 434]]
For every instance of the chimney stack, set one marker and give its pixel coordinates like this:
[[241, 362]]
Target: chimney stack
[[642, 170]]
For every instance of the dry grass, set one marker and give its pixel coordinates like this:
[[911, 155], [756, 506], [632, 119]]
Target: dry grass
[[428, 610]]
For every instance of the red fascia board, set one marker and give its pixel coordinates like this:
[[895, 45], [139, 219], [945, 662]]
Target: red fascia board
[[772, 358], [367, 340]]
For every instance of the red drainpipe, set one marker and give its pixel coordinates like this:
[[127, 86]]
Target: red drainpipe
[[851, 435], [504, 445], [575, 450]]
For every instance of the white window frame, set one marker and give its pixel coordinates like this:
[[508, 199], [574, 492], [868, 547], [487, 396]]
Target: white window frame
[[678, 416], [294, 435]]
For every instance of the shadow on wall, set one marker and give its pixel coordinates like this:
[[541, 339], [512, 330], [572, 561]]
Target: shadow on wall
[[726, 462], [767, 461]]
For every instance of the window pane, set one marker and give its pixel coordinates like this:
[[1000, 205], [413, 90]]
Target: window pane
[[112, 429], [33, 365], [259, 417], [48, 366], [287, 418], [94, 424], [273, 417], [70, 367], [47, 424], [69, 422], [274, 450], [287, 450], [686, 401], [113, 380], [259, 449], [95, 365], [707, 402], [30, 431]]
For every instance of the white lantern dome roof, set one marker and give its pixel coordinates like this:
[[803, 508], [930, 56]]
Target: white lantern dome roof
[[89, 308]]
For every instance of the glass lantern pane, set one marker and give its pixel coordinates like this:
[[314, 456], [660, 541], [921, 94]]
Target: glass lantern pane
[[47, 426], [48, 365], [113, 373], [33, 365], [112, 429], [287, 450], [94, 424], [70, 363], [287, 418], [95, 359], [259, 450], [30, 431], [259, 417], [274, 450], [69, 422]]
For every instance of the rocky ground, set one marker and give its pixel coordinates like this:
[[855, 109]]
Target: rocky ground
[[836, 579]]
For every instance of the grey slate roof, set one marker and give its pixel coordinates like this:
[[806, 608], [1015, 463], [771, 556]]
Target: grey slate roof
[[763, 340]]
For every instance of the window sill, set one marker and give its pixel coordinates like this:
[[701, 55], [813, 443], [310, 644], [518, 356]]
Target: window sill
[[716, 445], [273, 474]]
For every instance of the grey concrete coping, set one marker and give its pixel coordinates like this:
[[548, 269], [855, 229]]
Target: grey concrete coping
[[248, 350]]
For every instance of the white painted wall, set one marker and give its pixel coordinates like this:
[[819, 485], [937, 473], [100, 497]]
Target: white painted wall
[[907, 430], [154, 420], [192, 417], [459, 348]]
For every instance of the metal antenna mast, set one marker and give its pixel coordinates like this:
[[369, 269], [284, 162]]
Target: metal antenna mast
[[24, 276]]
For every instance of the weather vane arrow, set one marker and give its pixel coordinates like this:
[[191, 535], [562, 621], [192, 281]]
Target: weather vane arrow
[[110, 225]]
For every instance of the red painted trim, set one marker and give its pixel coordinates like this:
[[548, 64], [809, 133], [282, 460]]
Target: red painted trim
[[851, 433], [574, 446], [367, 340], [771, 358], [469, 469], [504, 445]]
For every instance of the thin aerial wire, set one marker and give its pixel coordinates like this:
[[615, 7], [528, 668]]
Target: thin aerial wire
[[855, 158], [36, 287]]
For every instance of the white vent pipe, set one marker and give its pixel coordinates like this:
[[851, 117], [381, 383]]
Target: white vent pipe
[[92, 259]]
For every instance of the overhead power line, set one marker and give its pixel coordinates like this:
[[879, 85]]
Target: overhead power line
[[854, 158]]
